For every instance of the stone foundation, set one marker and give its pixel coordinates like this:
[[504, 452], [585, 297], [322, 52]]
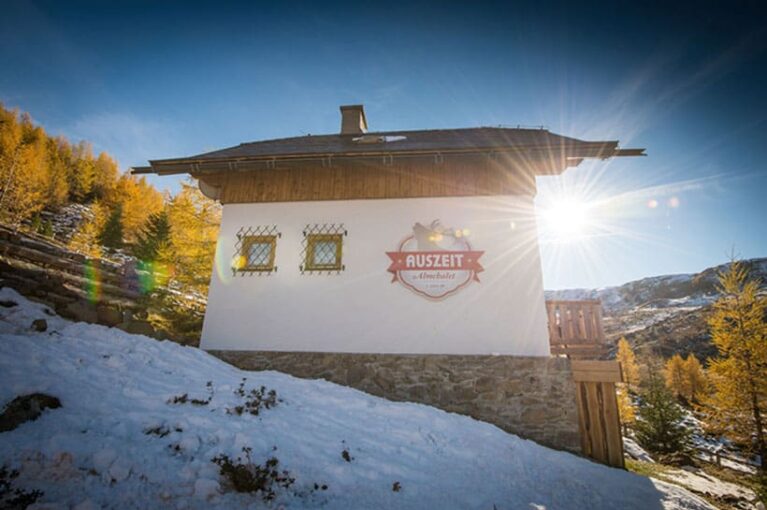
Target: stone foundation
[[533, 397]]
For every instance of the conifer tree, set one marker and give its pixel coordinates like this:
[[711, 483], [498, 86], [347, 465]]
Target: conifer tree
[[629, 367], [111, 236], [659, 423], [154, 239], [738, 405]]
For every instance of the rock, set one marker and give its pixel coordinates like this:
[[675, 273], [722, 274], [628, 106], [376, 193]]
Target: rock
[[40, 325], [7, 303], [205, 488], [26, 408], [109, 316], [81, 312], [137, 328]]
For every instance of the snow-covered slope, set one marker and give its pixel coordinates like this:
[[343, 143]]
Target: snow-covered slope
[[117, 442]]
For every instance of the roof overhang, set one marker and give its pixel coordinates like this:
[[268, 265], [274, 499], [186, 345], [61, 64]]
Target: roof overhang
[[554, 158]]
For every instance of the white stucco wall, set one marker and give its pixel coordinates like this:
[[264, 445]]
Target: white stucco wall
[[360, 309]]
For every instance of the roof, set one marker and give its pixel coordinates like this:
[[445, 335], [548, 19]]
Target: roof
[[433, 141]]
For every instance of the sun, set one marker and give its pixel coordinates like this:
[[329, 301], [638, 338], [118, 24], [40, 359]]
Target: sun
[[566, 220]]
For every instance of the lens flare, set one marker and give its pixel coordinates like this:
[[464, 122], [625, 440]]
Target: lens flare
[[224, 266], [92, 281]]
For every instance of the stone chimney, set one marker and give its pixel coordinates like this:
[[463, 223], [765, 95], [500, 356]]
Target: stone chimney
[[353, 120]]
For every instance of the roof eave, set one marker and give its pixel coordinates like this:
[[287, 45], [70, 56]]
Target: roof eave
[[571, 152]]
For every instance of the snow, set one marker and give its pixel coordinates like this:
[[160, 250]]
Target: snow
[[633, 450], [116, 441], [701, 482]]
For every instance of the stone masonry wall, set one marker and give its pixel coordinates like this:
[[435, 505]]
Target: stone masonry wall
[[533, 397]]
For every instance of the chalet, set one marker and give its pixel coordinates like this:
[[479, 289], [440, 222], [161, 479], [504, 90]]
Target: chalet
[[402, 263]]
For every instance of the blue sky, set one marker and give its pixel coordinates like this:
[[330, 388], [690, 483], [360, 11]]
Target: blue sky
[[687, 82]]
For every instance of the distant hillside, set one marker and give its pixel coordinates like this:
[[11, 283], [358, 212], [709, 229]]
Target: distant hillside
[[664, 313]]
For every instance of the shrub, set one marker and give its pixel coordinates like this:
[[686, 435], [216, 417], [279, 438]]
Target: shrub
[[255, 400], [184, 399], [12, 498], [245, 476]]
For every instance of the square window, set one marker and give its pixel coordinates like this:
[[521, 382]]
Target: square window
[[257, 253], [323, 252]]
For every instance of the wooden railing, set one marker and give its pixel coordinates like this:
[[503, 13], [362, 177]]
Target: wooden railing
[[575, 328]]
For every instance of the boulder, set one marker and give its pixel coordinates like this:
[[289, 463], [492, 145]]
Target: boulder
[[81, 312], [40, 325], [109, 316], [26, 408]]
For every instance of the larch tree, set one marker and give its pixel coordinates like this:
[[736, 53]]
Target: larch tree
[[139, 200], [86, 237], [23, 168], [83, 174], [105, 175], [629, 367], [194, 222], [695, 378], [57, 191], [626, 408], [738, 404], [676, 377]]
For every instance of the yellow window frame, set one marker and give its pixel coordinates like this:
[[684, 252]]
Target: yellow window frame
[[249, 241], [311, 242]]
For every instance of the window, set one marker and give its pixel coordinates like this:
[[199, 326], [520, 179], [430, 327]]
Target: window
[[322, 248], [257, 253], [323, 252]]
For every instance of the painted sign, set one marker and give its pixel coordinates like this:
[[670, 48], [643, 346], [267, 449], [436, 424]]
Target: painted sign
[[434, 261]]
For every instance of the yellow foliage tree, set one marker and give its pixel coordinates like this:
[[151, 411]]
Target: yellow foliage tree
[[676, 379], [194, 221], [629, 367], [106, 175], [23, 167], [57, 192], [86, 238], [695, 379], [138, 200], [625, 407], [738, 403]]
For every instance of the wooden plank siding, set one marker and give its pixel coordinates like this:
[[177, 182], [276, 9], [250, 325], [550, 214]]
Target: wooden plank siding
[[598, 417], [364, 180], [575, 328]]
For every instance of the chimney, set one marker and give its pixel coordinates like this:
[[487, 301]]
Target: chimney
[[353, 120]]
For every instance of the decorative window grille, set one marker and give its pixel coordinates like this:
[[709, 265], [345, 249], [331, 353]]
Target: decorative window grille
[[255, 250], [323, 248]]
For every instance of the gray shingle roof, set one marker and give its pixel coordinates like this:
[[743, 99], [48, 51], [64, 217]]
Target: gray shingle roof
[[400, 142]]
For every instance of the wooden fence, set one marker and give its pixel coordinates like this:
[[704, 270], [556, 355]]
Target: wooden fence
[[598, 418], [575, 328]]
